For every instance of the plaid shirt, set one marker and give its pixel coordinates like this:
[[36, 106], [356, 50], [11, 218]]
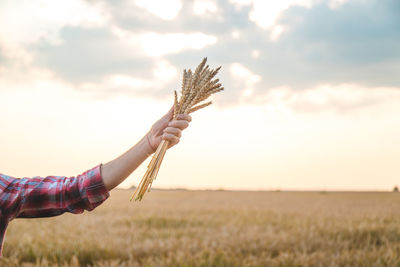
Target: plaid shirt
[[49, 196]]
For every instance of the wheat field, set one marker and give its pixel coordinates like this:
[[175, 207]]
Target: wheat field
[[215, 228]]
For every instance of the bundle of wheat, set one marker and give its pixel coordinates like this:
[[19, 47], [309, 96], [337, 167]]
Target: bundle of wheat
[[196, 87]]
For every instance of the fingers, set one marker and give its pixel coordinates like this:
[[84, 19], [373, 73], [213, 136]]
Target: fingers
[[171, 138], [186, 117], [175, 131], [181, 124]]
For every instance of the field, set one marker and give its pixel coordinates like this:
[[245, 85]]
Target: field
[[216, 228]]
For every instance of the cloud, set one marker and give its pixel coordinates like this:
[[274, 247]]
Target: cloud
[[354, 43], [90, 54], [164, 76], [28, 22], [174, 42], [343, 98], [265, 14], [166, 10], [299, 45], [244, 78], [202, 7]]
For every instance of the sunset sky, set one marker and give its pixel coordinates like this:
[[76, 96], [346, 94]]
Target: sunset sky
[[311, 100]]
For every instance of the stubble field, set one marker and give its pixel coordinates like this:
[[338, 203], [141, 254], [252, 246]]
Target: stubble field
[[215, 228]]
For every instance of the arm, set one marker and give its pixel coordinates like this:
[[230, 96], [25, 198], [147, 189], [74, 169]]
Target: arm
[[117, 170], [51, 195], [54, 195]]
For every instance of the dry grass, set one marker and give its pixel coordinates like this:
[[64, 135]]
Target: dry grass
[[202, 228], [195, 88]]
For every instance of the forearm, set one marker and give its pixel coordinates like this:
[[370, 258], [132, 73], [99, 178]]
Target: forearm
[[117, 170]]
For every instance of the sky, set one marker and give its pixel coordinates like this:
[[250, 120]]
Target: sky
[[311, 99]]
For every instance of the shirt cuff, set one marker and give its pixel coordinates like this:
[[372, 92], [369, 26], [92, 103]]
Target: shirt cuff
[[96, 191]]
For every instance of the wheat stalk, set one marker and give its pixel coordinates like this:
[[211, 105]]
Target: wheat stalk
[[196, 87]]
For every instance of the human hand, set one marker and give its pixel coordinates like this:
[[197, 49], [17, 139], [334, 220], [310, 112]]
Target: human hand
[[167, 129]]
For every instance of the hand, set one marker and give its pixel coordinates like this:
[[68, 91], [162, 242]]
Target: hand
[[167, 129]]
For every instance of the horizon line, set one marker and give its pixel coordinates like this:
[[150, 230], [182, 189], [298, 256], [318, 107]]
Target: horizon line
[[267, 190]]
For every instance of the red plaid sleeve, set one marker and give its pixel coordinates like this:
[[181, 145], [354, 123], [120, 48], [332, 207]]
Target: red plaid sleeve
[[49, 196]]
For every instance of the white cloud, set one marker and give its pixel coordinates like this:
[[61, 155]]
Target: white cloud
[[26, 22], [121, 80], [235, 34], [124, 84], [255, 53], [166, 10], [276, 31], [202, 7], [240, 3], [159, 44], [156, 44], [266, 13], [244, 78], [165, 71], [341, 98]]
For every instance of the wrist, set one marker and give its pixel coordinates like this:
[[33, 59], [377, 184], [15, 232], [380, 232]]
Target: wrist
[[150, 150]]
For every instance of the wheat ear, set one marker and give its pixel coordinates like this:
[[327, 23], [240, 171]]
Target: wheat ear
[[196, 87]]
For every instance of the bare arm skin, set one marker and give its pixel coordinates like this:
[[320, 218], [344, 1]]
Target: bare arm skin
[[117, 170]]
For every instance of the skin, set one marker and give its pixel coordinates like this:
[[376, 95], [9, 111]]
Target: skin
[[117, 170]]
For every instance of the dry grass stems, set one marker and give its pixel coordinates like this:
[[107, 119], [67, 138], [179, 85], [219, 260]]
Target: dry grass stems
[[196, 87]]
